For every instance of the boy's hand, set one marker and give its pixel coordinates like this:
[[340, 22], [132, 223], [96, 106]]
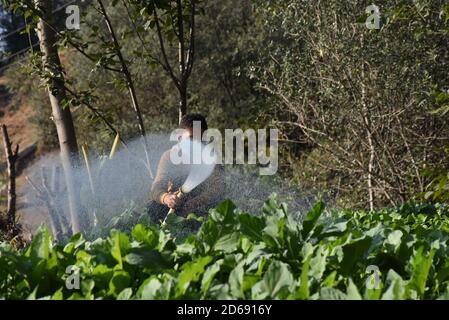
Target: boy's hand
[[171, 200]]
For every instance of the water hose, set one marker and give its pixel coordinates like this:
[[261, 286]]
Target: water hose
[[172, 210]]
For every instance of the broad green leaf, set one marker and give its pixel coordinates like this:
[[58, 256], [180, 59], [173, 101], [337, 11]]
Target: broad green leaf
[[303, 291], [120, 246], [272, 207], [223, 213], [146, 235], [443, 272], [276, 282], [150, 289], [420, 265], [354, 252], [191, 272], [251, 226], [125, 294], [318, 263], [220, 292], [307, 250], [102, 274], [331, 294], [312, 218], [246, 245], [76, 296], [397, 287], [57, 295], [209, 275], [228, 243], [144, 258], [236, 281], [352, 293], [74, 243], [373, 294], [40, 245], [330, 280], [249, 281], [185, 248], [394, 238], [273, 231], [87, 285], [208, 235], [334, 229], [120, 281], [32, 295]]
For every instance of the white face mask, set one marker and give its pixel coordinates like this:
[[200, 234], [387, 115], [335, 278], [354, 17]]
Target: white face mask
[[195, 152]]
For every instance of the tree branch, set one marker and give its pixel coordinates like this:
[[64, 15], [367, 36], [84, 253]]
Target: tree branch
[[164, 53], [191, 52]]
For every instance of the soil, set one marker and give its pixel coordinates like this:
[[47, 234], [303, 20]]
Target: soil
[[15, 117]]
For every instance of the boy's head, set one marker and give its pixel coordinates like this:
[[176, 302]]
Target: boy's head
[[188, 121]]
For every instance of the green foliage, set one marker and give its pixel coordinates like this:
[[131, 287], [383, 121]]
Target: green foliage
[[334, 82], [270, 64], [438, 188], [242, 256], [442, 101]]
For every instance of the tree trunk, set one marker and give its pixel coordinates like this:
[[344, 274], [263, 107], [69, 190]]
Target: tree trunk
[[369, 136], [11, 158], [182, 100], [182, 63], [185, 53], [61, 115]]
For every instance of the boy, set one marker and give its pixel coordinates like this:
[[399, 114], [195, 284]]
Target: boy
[[170, 177]]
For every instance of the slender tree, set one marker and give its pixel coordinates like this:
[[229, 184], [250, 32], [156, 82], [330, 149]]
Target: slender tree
[[129, 82], [174, 23], [185, 35], [62, 116]]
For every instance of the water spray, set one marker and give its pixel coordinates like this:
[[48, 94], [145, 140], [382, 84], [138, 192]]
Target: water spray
[[198, 172]]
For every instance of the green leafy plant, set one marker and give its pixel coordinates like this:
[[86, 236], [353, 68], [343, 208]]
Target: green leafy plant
[[438, 188], [239, 255]]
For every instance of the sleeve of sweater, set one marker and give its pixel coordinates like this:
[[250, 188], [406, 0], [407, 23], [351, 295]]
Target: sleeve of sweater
[[162, 179]]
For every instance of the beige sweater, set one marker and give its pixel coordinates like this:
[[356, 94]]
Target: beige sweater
[[170, 178]]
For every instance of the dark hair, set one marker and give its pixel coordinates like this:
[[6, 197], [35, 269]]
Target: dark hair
[[187, 121]]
